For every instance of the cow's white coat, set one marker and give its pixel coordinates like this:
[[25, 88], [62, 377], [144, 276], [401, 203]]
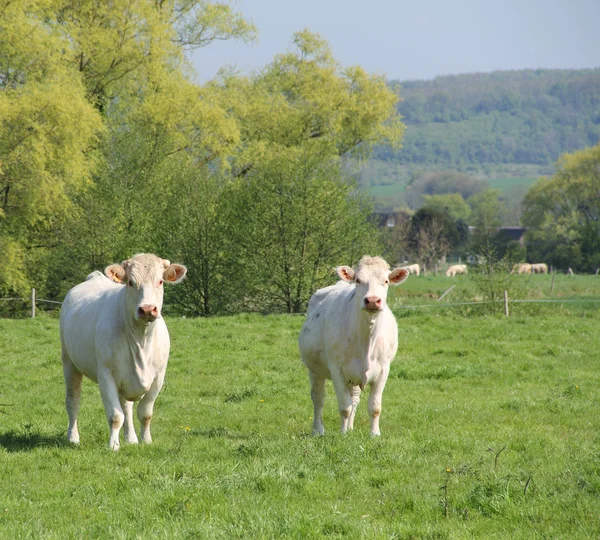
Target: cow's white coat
[[351, 337], [112, 332]]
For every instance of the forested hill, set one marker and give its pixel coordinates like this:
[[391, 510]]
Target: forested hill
[[525, 117]]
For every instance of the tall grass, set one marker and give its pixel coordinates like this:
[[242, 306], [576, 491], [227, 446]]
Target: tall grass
[[490, 428]]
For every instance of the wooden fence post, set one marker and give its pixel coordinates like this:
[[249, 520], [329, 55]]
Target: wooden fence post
[[552, 286], [506, 303], [33, 303]]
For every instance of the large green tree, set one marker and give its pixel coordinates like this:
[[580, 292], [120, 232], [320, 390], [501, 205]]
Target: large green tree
[[562, 213]]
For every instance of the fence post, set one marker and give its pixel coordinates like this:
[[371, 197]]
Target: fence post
[[552, 286], [33, 303], [506, 303]]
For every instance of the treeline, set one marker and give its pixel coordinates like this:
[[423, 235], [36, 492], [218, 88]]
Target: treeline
[[109, 148], [525, 117]]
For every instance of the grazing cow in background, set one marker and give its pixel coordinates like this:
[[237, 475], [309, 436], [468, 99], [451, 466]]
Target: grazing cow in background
[[539, 268], [111, 331], [413, 269], [350, 336], [456, 269], [521, 268]]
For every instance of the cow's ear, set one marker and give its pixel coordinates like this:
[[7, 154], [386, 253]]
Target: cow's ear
[[115, 272], [174, 273], [346, 273], [398, 275]]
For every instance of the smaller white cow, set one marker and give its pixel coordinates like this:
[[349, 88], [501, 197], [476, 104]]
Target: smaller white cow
[[413, 269], [350, 336], [456, 269], [539, 268], [111, 331], [521, 268]]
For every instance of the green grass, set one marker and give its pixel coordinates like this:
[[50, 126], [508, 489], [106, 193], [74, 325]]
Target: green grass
[[490, 428]]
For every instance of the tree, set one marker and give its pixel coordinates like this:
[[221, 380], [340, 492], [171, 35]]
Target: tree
[[433, 233], [48, 131], [486, 209], [452, 203], [305, 219], [305, 99], [562, 213]]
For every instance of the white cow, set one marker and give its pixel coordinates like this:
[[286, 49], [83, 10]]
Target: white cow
[[351, 337], [539, 268], [413, 269], [111, 331], [456, 269], [521, 268]]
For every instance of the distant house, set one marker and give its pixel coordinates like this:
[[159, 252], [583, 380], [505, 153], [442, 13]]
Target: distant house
[[388, 220], [513, 234]]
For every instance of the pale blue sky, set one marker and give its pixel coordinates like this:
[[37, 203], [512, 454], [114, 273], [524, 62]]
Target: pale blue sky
[[420, 39]]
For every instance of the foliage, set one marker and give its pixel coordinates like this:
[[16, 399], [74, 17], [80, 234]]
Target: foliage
[[305, 219], [491, 276], [527, 116], [453, 203], [445, 182], [563, 213], [479, 404], [108, 147], [433, 234]]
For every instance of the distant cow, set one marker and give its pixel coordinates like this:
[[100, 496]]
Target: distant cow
[[456, 269], [521, 268], [539, 268], [111, 331], [413, 269], [351, 337]]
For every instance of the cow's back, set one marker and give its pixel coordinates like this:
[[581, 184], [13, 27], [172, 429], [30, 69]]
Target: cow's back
[[84, 306], [324, 311]]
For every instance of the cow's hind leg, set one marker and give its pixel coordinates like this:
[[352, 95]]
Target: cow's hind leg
[[128, 427], [317, 393], [355, 393], [73, 378]]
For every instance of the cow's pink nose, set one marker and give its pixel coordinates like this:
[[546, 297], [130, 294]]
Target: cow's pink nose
[[372, 302], [148, 312]]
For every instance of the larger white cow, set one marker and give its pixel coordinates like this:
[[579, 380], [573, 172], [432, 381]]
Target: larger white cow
[[456, 269], [111, 331], [351, 337], [413, 269]]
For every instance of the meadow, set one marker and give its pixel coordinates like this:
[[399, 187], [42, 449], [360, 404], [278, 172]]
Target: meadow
[[490, 428]]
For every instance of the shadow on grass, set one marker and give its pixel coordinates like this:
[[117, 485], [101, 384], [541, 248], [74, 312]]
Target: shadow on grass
[[14, 441]]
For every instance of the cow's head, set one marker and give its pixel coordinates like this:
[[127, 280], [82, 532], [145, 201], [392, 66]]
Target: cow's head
[[372, 278], [144, 276]]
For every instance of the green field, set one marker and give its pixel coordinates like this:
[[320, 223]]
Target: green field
[[490, 428]]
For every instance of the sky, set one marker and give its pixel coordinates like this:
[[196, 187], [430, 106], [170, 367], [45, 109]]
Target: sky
[[419, 39]]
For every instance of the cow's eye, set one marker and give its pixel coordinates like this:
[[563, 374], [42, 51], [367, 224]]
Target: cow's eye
[[387, 281], [160, 283], [358, 281], [130, 283]]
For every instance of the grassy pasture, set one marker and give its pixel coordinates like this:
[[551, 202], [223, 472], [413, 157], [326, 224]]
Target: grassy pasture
[[490, 428]]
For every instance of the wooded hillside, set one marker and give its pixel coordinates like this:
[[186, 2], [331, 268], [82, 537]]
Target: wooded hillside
[[522, 117]]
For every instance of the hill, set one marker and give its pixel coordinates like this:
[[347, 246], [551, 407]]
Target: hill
[[500, 125]]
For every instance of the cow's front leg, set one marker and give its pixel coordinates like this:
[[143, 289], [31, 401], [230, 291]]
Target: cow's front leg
[[112, 406], [375, 396], [128, 427], [146, 408], [355, 394], [344, 398]]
